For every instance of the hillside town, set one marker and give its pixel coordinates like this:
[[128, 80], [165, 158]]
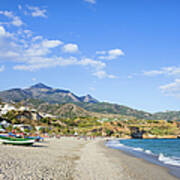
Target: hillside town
[[24, 119]]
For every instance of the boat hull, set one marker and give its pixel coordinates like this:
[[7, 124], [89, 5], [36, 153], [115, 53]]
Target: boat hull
[[16, 141], [23, 143]]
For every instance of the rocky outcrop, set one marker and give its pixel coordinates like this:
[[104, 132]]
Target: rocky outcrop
[[136, 133]]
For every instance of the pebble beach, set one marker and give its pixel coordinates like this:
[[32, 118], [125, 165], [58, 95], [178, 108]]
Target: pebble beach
[[72, 159]]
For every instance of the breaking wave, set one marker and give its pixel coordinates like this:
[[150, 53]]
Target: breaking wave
[[167, 160]]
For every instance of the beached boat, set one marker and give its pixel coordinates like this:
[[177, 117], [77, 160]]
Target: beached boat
[[16, 141], [36, 138]]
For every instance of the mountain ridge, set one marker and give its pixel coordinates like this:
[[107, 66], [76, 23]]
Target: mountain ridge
[[43, 97], [41, 91]]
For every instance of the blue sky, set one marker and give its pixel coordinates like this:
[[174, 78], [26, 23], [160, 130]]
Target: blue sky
[[125, 52]]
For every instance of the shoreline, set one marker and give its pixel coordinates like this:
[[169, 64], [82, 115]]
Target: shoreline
[[148, 157], [139, 168], [73, 159], [100, 162]]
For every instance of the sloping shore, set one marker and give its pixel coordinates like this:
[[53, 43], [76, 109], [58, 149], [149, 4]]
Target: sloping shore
[[98, 162], [69, 158], [136, 168]]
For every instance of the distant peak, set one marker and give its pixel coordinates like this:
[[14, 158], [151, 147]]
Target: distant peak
[[41, 86], [88, 98]]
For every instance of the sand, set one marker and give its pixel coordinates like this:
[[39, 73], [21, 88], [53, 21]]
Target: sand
[[136, 168], [53, 159], [69, 158]]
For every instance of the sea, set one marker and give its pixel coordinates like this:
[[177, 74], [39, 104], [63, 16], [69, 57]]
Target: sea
[[163, 152]]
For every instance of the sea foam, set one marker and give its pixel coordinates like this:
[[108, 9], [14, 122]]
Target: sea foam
[[169, 160], [148, 152]]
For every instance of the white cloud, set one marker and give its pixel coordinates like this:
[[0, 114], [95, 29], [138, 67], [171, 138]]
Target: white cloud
[[130, 77], [15, 20], [42, 48], [172, 89], [98, 68], [170, 71], [51, 43], [10, 54], [36, 50], [116, 52], [36, 38], [37, 12], [34, 79], [101, 52], [111, 54], [31, 53], [90, 62], [92, 89], [67, 61], [37, 63], [70, 48], [102, 74], [91, 1], [2, 68], [41, 63], [152, 73], [19, 7], [2, 31], [8, 48], [28, 32]]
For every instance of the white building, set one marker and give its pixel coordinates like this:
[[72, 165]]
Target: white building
[[4, 123], [5, 108], [23, 108]]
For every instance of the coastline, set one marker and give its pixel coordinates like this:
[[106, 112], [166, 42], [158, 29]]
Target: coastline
[[100, 162], [137, 168], [68, 158]]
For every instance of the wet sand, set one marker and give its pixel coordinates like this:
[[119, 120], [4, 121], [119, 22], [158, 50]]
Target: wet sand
[[100, 162], [136, 168], [69, 158]]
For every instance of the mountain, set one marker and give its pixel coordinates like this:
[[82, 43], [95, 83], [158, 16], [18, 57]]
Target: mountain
[[45, 93], [40, 86], [98, 109], [15, 95], [47, 99], [88, 99], [108, 108], [72, 110], [168, 115], [50, 100]]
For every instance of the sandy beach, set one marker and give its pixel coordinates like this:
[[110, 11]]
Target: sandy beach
[[69, 158]]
